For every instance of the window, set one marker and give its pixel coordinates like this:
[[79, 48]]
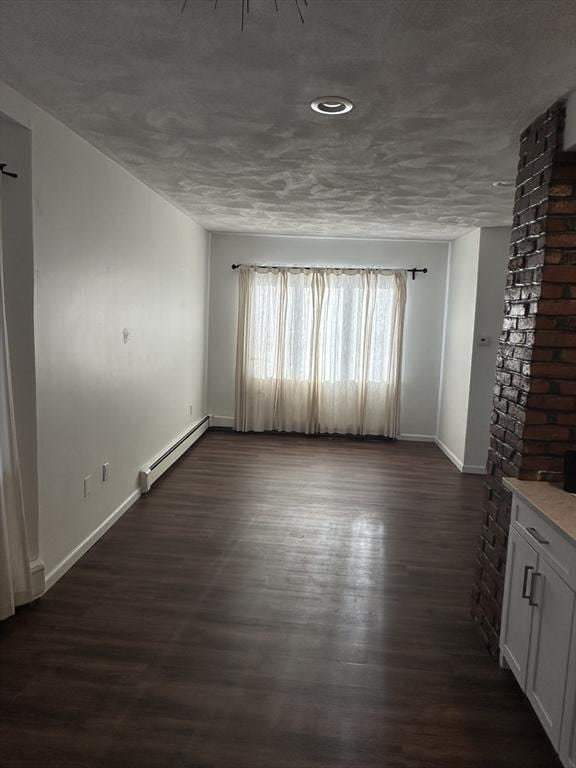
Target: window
[[319, 350]]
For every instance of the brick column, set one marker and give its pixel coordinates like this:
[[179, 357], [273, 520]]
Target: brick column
[[534, 414]]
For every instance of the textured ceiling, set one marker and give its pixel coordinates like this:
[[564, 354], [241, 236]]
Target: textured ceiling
[[218, 120]]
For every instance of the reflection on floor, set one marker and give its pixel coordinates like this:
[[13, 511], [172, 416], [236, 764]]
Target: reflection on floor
[[274, 602]]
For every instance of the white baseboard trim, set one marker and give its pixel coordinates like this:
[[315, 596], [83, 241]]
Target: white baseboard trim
[[38, 571], [473, 469], [417, 438], [73, 557], [447, 452], [467, 469], [222, 421], [36, 585]]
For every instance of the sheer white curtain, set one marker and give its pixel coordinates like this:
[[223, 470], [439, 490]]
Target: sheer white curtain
[[320, 350], [15, 573]]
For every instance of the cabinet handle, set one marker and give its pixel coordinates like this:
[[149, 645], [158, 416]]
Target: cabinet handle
[[535, 535], [527, 569], [531, 600]]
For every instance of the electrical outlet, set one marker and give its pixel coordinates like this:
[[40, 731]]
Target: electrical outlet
[[106, 472], [87, 485]]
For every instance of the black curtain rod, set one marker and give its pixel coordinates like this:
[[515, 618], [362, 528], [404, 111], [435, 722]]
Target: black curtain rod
[[413, 270]]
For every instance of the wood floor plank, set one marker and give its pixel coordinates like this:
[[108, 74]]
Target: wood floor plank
[[274, 602]]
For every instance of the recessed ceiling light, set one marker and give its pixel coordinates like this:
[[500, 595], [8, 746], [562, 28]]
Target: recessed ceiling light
[[332, 105], [500, 184]]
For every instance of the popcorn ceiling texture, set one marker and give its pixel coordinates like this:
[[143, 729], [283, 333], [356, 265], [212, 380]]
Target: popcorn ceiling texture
[[218, 120]]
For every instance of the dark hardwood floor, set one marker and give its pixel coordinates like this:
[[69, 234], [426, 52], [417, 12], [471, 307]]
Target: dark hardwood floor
[[274, 602]]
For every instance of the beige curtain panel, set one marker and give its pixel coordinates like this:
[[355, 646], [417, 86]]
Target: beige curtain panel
[[15, 570], [320, 350]]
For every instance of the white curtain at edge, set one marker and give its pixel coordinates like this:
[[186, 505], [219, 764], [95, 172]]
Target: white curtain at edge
[[15, 572], [320, 350]]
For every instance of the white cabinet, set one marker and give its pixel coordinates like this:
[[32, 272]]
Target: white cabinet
[[517, 614], [538, 634], [568, 735], [550, 639]]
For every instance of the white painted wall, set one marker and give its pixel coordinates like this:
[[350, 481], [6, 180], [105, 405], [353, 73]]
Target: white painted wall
[[424, 311], [474, 308], [491, 282], [110, 254], [458, 341]]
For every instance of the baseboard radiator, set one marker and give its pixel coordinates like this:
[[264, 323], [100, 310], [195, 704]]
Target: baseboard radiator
[[149, 475]]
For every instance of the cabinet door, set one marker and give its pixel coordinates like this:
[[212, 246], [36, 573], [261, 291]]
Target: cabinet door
[[553, 602], [517, 612], [568, 734], [568, 746]]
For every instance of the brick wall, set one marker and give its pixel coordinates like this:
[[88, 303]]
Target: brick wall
[[534, 413]]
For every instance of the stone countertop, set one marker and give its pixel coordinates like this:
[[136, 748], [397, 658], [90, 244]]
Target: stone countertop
[[550, 500]]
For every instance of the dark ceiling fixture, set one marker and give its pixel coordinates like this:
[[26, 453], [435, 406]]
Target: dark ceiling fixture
[[245, 6]]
